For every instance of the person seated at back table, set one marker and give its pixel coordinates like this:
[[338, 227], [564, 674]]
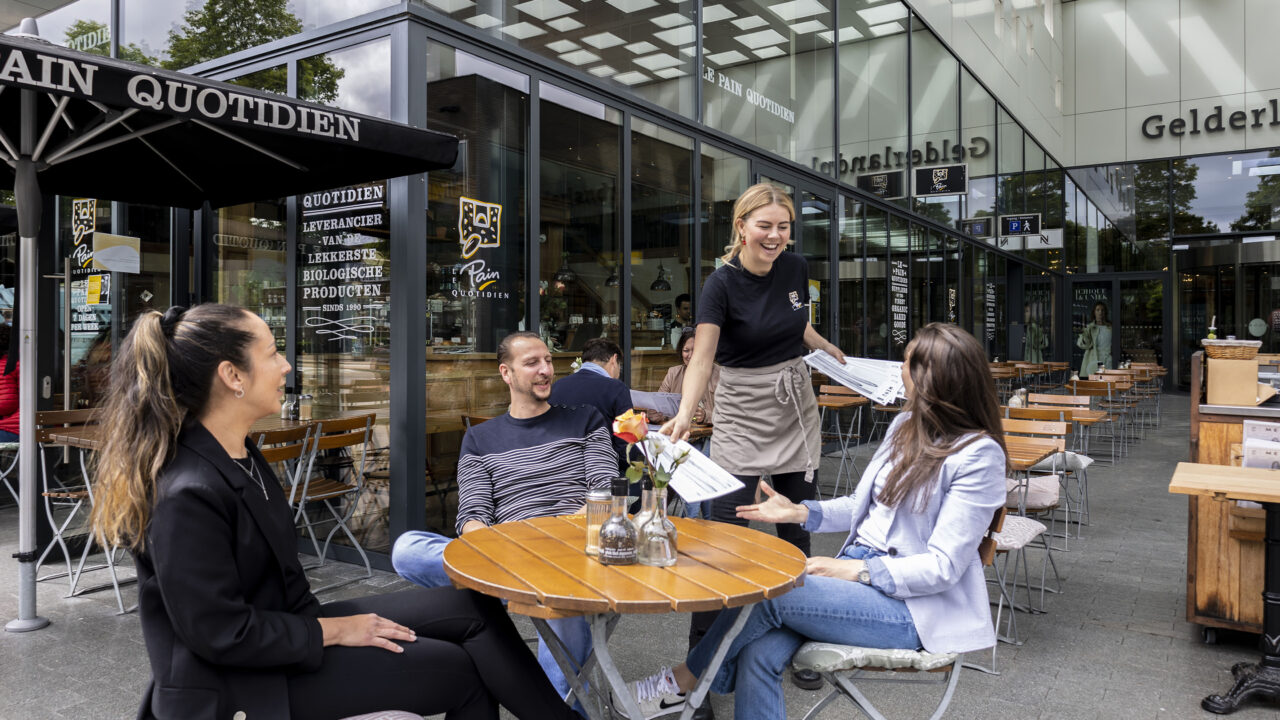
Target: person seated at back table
[[535, 460], [596, 384], [908, 574], [674, 383]]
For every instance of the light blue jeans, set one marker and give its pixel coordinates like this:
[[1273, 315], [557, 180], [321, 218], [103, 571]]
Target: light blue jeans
[[418, 556], [823, 609]]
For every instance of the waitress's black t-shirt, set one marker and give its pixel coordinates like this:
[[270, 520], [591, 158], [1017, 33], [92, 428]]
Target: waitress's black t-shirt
[[761, 319]]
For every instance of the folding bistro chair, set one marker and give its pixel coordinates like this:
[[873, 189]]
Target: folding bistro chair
[[1073, 465], [9, 466], [339, 495], [841, 665], [836, 398]]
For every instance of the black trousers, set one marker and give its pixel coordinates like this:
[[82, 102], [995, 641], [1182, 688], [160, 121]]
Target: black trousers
[[468, 659], [724, 509]]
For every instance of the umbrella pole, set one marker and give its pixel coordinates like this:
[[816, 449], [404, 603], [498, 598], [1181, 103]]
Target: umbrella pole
[[27, 197]]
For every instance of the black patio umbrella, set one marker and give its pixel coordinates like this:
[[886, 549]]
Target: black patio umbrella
[[72, 123]]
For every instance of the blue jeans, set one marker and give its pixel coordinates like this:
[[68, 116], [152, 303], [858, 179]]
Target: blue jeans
[[418, 556], [823, 609]]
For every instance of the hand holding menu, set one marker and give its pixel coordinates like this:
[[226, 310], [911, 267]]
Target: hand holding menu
[[697, 478], [878, 380]]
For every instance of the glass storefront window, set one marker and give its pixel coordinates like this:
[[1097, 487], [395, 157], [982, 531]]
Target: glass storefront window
[[899, 312], [724, 177], [935, 122], [581, 230], [250, 261], [642, 46], [177, 39], [767, 77], [318, 13], [877, 275], [356, 78], [852, 320], [80, 25], [873, 100], [661, 246], [86, 345]]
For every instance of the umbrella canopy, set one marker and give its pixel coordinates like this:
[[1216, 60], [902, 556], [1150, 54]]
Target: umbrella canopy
[[115, 130], [72, 123]]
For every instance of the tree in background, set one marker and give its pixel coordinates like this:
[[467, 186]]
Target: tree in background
[[1261, 205], [221, 27]]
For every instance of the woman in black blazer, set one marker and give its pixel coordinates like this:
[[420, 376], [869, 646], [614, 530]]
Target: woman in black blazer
[[232, 629]]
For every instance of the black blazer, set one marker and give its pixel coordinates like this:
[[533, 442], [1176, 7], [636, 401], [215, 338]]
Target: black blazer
[[226, 611], [611, 397]]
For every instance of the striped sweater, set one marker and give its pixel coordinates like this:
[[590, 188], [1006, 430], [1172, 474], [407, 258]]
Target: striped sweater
[[515, 469]]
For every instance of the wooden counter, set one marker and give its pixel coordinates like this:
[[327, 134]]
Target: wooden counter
[[1225, 554]]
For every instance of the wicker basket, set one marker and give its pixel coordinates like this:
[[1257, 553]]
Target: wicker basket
[[1231, 349]]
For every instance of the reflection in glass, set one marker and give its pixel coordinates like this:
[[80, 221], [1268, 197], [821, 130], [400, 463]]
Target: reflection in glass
[[724, 177], [815, 232], [87, 349], [853, 318], [899, 286], [211, 30], [661, 246], [873, 89], [1141, 327], [80, 25], [935, 124], [581, 227], [878, 320], [355, 78], [767, 77]]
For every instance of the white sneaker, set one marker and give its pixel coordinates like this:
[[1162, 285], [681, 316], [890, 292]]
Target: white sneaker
[[657, 694]]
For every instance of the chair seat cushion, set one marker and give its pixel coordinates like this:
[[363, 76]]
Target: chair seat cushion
[[1017, 532], [829, 657], [1041, 493], [1075, 462]]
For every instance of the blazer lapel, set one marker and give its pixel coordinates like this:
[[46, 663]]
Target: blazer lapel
[[196, 437]]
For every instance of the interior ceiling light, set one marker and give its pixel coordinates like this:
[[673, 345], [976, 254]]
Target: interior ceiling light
[[769, 52], [668, 73], [562, 46], [484, 21], [749, 22], [886, 29], [602, 41], [644, 47], [683, 35], [762, 38], [847, 34], [564, 24], [670, 20], [653, 63], [661, 284], [602, 71], [631, 6], [797, 9], [565, 274], [544, 9], [882, 14], [632, 78], [716, 13], [726, 58], [807, 27], [523, 30], [580, 57], [451, 6]]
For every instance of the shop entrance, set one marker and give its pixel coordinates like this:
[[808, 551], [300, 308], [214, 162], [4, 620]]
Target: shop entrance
[[1118, 318]]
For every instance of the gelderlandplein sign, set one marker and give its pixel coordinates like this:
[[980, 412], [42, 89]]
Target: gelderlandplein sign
[[1154, 126]]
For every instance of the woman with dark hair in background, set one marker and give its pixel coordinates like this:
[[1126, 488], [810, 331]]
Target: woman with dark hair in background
[[231, 626], [674, 383], [909, 574]]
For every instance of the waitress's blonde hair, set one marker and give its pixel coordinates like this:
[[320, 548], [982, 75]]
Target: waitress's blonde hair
[[752, 199]]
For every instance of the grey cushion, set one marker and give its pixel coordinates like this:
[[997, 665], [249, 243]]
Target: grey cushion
[[829, 657], [1075, 462], [1017, 532]]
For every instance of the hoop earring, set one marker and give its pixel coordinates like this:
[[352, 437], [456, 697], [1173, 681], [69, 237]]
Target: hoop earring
[[240, 393]]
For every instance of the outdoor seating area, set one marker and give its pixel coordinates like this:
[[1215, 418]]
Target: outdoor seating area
[[1117, 628]]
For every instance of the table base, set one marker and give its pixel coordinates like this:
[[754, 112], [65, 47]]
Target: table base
[[1253, 681]]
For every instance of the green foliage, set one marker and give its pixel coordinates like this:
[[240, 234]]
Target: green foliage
[[222, 27], [130, 51], [1261, 205]]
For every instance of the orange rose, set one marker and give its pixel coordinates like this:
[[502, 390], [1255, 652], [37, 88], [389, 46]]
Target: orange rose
[[631, 426]]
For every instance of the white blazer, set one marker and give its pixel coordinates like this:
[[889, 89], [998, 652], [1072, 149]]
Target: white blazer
[[933, 554]]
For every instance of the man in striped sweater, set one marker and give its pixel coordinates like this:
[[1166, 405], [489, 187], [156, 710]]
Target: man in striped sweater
[[535, 460]]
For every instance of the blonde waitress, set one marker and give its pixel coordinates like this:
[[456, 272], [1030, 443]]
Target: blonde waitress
[[753, 321]]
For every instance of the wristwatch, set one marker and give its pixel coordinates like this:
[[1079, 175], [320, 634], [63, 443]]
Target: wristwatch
[[864, 575]]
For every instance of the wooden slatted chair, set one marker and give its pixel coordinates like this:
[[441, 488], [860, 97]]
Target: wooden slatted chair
[[842, 665], [1072, 464], [338, 491], [837, 398], [1106, 397], [1042, 490]]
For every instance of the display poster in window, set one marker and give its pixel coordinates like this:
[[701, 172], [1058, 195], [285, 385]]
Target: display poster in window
[[344, 279], [90, 309], [1091, 328], [884, 185], [990, 328], [898, 301]]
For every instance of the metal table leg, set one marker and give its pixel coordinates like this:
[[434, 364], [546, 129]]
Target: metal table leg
[[572, 673]]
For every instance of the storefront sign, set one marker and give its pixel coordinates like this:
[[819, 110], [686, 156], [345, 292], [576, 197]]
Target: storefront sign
[[990, 328], [479, 227], [898, 300], [977, 227], [941, 180], [344, 287], [1020, 225], [84, 216], [1213, 121], [117, 253], [885, 185], [145, 91], [931, 155], [750, 95]]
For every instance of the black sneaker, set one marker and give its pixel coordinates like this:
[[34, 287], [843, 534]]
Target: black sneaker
[[806, 679]]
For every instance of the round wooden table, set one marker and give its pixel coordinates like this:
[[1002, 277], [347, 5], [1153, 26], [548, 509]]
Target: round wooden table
[[540, 568]]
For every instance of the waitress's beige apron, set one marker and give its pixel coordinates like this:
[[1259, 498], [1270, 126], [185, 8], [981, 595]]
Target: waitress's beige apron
[[766, 420]]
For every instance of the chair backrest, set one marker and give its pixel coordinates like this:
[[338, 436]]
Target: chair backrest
[[1036, 428], [469, 421], [1051, 399], [48, 421], [987, 548], [836, 390], [1052, 414], [284, 445], [280, 437]]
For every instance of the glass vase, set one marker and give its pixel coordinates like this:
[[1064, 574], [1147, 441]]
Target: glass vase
[[657, 538]]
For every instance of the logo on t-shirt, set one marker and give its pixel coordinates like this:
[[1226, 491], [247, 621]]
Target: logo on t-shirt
[[795, 300]]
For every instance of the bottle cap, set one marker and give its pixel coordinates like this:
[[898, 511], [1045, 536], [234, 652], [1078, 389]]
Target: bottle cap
[[620, 486]]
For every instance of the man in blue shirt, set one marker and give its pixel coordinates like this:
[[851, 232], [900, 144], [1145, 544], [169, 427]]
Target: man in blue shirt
[[596, 385]]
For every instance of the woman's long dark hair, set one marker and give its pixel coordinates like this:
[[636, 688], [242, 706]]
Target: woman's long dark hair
[[163, 373], [952, 405]]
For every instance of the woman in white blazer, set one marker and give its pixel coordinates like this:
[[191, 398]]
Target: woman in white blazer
[[908, 574]]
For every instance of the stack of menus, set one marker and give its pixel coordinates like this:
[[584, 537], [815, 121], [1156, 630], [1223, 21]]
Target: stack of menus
[[1260, 449]]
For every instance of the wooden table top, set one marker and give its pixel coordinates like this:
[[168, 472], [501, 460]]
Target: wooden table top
[[540, 568], [87, 437], [1025, 452], [1224, 482], [1083, 416]]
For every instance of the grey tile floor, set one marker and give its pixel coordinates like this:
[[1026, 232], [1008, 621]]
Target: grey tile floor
[[1114, 644]]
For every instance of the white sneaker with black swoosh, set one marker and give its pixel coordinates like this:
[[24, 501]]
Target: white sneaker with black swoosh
[[657, 694]]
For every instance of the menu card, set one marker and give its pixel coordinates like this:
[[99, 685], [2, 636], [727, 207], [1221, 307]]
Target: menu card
[[697, 478]]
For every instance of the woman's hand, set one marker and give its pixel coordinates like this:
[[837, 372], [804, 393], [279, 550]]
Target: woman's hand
[[777, 509], [814, 341], [834, 567], [835, 352], [368, 630], [677, 428]]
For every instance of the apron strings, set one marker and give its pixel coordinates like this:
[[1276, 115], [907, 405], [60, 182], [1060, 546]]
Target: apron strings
[[784, 393]]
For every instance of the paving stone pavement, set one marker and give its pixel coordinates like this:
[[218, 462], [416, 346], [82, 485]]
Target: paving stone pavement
[[1114, 644]]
